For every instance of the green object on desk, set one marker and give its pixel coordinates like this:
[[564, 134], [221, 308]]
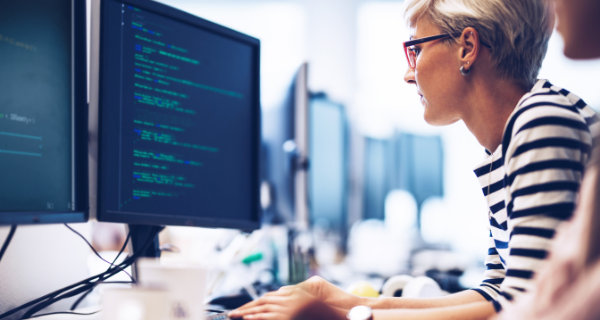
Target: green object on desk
[[253, 258]]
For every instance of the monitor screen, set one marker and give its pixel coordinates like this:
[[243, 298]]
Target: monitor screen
[[328, 183], [278, 128], [285, 136], [179, 119], [43, 119]]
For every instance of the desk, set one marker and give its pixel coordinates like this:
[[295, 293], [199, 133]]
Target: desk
[[95, 316], [98, 316]]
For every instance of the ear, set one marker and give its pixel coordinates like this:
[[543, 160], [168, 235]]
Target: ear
[[469, 47]]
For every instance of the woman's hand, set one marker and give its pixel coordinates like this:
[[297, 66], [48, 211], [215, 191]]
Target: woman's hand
[[288, 303], [330, 294]]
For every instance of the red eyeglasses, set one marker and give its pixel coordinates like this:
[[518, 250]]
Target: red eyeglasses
[[412, 52]]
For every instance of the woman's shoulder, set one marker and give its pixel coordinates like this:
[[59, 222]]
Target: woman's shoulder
[[546, 99], [548, 111]]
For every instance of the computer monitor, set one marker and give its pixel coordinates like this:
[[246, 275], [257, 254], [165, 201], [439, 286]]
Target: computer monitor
[[328, 170], [278, 166], [405, 161], [286, 156], [179, 119], [419, 167], [377, 180], [43, 112]]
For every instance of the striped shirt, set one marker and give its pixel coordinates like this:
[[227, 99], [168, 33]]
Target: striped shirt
[[530, 183]]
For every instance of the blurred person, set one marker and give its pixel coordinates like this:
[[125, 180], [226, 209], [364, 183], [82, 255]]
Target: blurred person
[[478, 61], [569, 287], [579, 26], [108, 236]]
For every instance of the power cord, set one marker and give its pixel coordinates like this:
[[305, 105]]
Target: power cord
[[59, 295], [96, 252], [83, 296], [11, 233], [65, 312], [79, 287]]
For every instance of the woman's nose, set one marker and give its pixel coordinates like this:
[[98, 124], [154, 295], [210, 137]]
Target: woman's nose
[[409, 77]]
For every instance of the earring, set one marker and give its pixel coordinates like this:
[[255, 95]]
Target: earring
[[464, 72]]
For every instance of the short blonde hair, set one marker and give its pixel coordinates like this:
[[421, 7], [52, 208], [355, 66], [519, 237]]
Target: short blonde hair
[[517, 30]]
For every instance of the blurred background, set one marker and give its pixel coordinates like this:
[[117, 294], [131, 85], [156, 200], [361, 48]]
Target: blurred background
[[355, 57], [386, 190], [387, 193]]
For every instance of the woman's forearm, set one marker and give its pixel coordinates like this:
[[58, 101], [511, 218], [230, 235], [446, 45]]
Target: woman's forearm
[[472, 311], [461, 298]]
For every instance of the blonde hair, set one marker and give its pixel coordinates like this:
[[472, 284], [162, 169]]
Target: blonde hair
[[517, 30]]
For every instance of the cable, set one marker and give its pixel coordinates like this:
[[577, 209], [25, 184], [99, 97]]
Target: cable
[[93, 249], [85, 284], [55, 298], [81, 287], [66, 312], [78, 301], [47, 300], [11, 233], [52, 298], [122, 249], [83, 296], [43, 302]]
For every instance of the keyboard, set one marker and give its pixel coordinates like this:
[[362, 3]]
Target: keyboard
[[220, 316], [217, 314]]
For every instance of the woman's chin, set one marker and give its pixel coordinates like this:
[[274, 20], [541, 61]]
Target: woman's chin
[[430, 117], [432, 122], [437, 121]]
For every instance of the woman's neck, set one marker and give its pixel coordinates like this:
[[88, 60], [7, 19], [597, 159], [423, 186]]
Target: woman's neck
[[489, 106]]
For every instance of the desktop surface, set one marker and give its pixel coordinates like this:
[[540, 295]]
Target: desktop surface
[[92, 313]]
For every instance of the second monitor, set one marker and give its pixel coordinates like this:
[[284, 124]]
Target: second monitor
[[179, 119]]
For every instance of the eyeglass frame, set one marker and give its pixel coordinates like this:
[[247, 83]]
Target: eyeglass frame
[[412, 43]]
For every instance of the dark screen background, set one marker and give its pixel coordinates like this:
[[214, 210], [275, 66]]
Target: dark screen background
[[176, 118], [35, 105]]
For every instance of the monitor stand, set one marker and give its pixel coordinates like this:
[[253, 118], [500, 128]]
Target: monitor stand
[[139, 236]]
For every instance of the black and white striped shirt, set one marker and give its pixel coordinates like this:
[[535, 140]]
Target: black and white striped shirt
[[530, 183]]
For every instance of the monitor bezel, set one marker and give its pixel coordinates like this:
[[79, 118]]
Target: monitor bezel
[[105, 215], [80, 212]]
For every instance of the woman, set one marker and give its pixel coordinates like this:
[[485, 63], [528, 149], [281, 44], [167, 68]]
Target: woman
[[477, 61], [569, 287]]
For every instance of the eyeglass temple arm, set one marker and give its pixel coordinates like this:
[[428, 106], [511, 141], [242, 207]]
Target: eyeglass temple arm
[[441, 36]]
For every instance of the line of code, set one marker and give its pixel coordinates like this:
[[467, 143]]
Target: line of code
[[165, 156], [36, 106], [179, 117]]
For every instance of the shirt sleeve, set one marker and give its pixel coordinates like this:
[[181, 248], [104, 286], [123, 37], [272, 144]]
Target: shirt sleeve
[[544, 166], [493, 276]]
